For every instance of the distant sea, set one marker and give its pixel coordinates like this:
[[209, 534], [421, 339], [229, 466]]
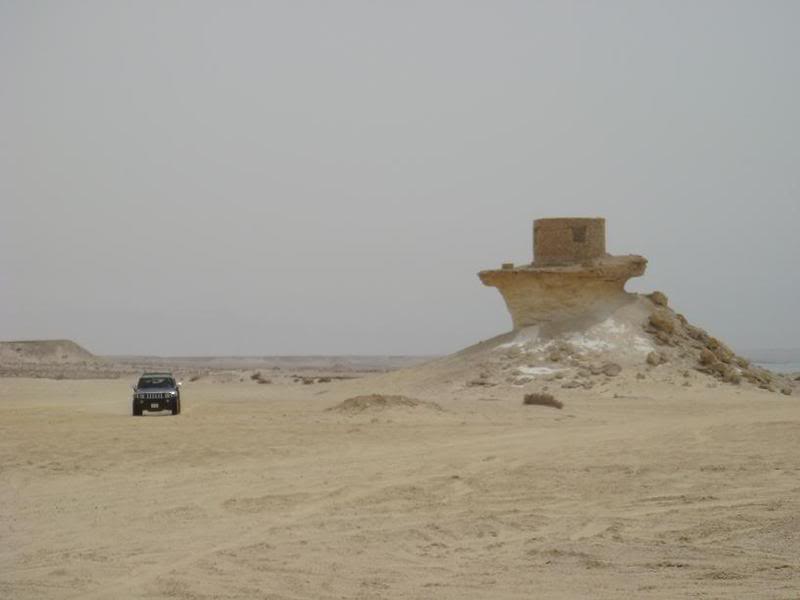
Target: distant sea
[[780, 360], [791, 367]]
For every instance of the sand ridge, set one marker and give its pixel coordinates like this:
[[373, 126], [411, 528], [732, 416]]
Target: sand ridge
[[380, 403]]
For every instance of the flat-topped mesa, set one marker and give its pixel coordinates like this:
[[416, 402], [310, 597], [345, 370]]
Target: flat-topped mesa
[[571, 274]]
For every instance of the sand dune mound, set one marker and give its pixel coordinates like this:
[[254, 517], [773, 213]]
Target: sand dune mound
[[43, 352], [379, 402]]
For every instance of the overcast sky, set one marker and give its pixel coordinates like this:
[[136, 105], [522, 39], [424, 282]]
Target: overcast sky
[[327, 177]]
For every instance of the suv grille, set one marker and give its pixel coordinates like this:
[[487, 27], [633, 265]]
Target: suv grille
[[153, 395]]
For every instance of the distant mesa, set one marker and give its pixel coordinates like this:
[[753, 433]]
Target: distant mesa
[[43, 352]]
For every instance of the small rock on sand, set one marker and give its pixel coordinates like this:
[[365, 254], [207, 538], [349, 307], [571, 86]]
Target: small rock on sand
[[662, 321], [612, 369]]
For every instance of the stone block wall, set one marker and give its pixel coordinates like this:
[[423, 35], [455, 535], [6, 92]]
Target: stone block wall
[[567, 241]]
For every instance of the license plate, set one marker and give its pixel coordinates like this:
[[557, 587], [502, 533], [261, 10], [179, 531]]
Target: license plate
[[154, 405]]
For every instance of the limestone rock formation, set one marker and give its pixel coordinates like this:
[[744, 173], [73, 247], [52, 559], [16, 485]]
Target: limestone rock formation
[[576, 329], [573, 322], [571, 274]]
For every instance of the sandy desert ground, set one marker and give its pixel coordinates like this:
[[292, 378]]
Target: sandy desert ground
[[258, 491]]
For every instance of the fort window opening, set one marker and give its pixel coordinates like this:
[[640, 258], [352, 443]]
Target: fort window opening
[[579, 234]]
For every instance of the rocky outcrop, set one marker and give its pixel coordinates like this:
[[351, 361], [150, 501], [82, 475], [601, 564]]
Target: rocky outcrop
[[691, 346], [536, 295], [570, 276], [573, 320]]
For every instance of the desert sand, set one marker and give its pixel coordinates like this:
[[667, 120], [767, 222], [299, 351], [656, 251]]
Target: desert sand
[[634, 489]]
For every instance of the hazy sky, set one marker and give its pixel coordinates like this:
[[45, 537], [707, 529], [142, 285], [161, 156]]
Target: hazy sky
[[327, 177]]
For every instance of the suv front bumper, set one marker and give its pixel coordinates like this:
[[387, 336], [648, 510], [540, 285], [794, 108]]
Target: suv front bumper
[[154, 404]]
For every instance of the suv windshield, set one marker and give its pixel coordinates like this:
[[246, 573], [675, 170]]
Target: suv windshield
[[156, 382]]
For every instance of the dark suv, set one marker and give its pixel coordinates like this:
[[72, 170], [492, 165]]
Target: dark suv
[[156, 391]]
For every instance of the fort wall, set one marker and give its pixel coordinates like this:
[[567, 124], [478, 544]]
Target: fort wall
[[566, 241]]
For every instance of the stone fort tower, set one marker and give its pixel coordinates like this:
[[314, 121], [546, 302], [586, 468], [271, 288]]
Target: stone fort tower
[[565, 241], [571, 274]]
